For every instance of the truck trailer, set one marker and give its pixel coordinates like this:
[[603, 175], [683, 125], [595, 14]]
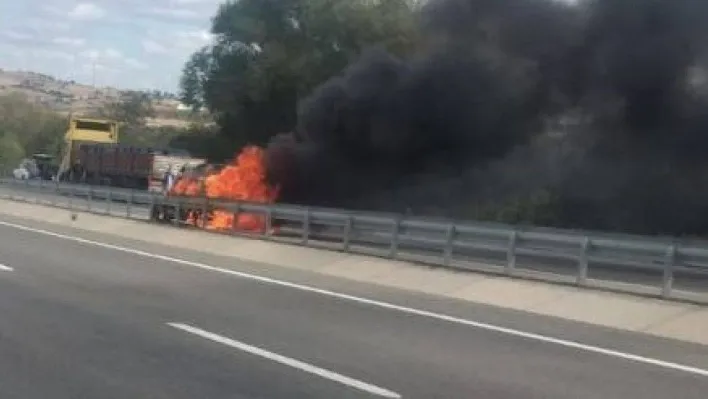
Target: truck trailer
[[129, 166]]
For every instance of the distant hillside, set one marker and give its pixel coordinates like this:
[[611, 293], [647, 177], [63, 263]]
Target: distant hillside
[[64, 96]]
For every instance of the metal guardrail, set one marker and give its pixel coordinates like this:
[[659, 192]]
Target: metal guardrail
[[663, 267]]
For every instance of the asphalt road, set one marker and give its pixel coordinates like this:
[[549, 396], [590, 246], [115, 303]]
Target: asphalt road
[[378, 243], [81, 320]]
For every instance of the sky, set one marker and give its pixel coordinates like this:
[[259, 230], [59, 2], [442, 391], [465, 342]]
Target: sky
[[133, 44]]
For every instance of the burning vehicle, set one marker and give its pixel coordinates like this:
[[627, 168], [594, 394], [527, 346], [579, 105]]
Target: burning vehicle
[[198, 188]]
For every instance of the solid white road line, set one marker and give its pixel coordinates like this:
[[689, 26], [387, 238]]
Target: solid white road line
[[381, 304], [6, 268], [306, 367]]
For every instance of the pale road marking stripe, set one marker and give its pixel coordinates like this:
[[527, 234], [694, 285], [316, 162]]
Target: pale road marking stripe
[[5, 268], [309, 368], [384, 305]]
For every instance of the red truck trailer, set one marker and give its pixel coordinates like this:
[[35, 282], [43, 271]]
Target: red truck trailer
[[130, 166]]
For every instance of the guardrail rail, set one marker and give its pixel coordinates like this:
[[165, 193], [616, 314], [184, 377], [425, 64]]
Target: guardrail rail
[[662, 267]]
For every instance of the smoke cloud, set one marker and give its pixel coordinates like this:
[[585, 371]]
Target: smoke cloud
[[602, 102]]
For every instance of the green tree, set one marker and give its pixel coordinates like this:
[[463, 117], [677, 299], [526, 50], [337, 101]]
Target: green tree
[[268, 54], [194, 79], [27, 128], [11, 151]]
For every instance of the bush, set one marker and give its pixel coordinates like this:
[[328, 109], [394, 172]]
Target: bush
[[27, 128]]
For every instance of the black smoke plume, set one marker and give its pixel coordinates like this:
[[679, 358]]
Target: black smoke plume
[[602, 102]]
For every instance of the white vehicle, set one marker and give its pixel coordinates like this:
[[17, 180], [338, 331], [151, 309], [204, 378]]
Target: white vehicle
[[27, 170], [21, 173], [37, 167]]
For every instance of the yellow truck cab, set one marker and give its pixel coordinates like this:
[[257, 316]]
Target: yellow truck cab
[[85, 130], [92, 130]]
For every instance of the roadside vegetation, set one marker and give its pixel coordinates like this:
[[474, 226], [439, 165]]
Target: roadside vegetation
[[26, 128]]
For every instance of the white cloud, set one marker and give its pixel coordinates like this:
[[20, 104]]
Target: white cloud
[[202, 35], [86, 11], [90, 54], [193, 38], [190, 1], [55, 55], [153, 47], [17, 36], [135, 64], [178, 44], [53, 9], [108, 54], [69, 41], [89, 68], [112, 54], [46, 24], [179, 13], [111, 60]]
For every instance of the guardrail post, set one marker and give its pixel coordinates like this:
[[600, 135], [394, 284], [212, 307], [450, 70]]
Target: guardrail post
[[395, 233], [153, 204], [56, 191], [12, 185], [42, 187], [36, 198], [236, 212], [449, 241], [582, 278], [109, 200], [306, 226], [668, 277], [511, 253], [269, 223], [178, 213], [71, 199], [205, 212], [346, 239], [129, 205]]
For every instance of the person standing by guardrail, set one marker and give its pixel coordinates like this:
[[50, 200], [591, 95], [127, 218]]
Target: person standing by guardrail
[[168, 180]]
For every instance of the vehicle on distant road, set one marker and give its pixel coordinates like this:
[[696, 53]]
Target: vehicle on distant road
[[40, 166]]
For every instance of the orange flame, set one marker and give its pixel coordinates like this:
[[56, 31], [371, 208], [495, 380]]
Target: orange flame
[[243, 180]]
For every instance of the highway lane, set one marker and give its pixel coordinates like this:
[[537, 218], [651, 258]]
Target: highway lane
[[564, 269], [79, 320]]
